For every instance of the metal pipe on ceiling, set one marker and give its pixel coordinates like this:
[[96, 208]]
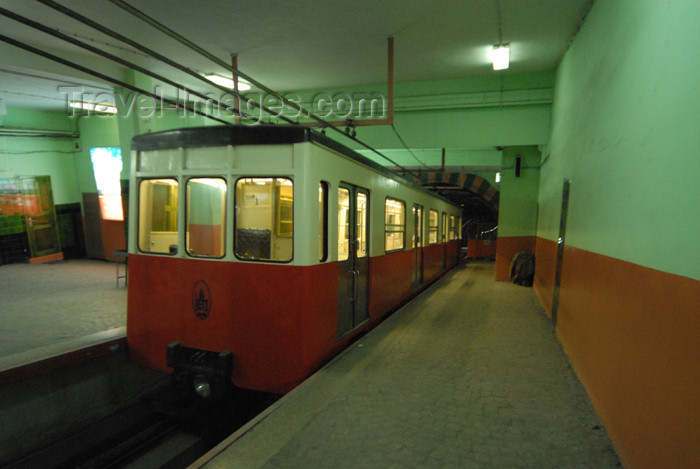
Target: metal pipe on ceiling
[[390, 78], [186, 42], [236, 102], [101, 76], [104, 30], [20, 132], [101, 53]]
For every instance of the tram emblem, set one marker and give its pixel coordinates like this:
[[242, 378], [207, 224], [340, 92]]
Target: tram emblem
[[201, 299]]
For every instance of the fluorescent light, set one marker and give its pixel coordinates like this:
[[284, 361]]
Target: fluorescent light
[[216, 183], [500, 56], [227, 82], [261, 181], [108, 108], [498, 177], [169, 182]]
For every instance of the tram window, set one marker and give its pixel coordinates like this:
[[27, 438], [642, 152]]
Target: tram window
[[206, 217], [158, 216], [264, 224], [432, 227], [394, 224], [453, 232], [343, 223], [361, 222], [322, 221]]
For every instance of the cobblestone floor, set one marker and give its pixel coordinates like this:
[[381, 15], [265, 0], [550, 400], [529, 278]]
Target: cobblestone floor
[[46, 304], [468, 375]]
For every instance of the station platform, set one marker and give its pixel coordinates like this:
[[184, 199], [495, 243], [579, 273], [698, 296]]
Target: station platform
[[53, 309], [467, 375]]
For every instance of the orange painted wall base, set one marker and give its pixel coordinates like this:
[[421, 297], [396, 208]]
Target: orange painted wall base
[[509, 246], [545, 266], [113, 238], [47, 258], [481, 248], [633, 336]]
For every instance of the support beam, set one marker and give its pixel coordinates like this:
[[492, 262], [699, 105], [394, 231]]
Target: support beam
[[236, 99]]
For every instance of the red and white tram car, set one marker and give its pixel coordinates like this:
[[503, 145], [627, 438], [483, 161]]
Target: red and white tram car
[[256, 253]]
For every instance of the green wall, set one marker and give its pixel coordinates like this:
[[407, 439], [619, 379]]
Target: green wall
[[41, 156], [463, 128], [95, 131], [625, 125], [517, 214], [433, 157], [66, 160], [625, 122], [32, 119]]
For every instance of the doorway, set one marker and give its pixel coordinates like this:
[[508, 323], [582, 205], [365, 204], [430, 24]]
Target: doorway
[[443, 241], [417, 245], [42, 231], [353, 257], [561, 242]]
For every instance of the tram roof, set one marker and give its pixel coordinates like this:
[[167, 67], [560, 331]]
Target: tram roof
[[224, 135]]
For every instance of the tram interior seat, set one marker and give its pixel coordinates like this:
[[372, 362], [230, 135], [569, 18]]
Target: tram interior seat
[[253, 243]]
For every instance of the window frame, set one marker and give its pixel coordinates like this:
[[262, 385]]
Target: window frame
[[343, 255], [403, 225], [273, 204], [139, 225], [367, 227], [223, 224], [434, 229], [452, 229], [323, 210]]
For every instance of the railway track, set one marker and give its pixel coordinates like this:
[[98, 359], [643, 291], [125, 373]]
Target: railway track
[[167, 431]]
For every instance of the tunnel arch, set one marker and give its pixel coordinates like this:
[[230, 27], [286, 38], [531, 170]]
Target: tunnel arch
[[454, 184]]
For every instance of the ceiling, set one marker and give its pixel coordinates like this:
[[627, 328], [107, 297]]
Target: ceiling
[[288, 45]]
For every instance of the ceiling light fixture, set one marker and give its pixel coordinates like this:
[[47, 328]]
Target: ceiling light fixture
[[227, 82], [500, 56]]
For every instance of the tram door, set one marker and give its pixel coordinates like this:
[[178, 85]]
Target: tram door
[[353, 257], [417, 245]]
